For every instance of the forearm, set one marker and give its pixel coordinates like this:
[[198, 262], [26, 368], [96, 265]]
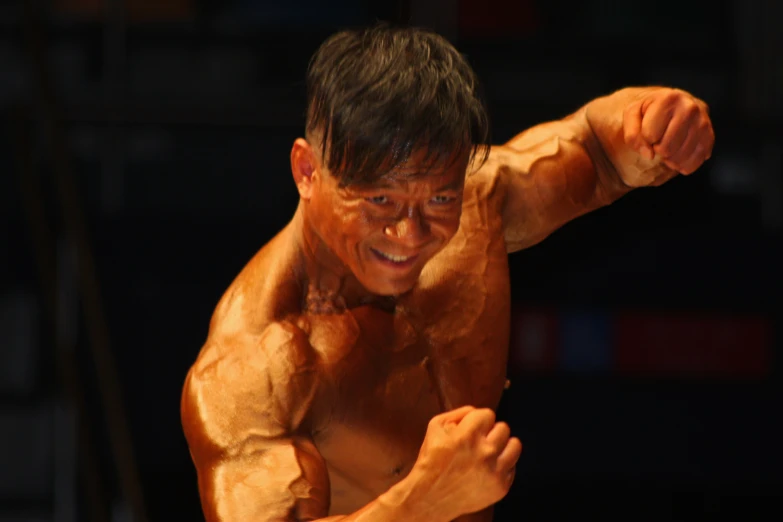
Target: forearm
[[405, 501], [558, 171], [605, 117]]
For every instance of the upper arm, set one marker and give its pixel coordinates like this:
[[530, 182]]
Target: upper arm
[[243, 407], [550, 174]]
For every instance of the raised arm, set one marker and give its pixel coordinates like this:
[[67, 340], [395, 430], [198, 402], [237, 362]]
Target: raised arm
[[557, 171]]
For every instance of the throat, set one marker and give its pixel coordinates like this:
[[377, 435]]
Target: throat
[[323, 301], [336, 300]]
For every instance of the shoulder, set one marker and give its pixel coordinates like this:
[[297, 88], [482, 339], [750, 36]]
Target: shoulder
[[266, 290], [261, 383], [486, 182]]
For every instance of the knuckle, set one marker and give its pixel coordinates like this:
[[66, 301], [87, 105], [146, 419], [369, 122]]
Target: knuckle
[[630, 110], [672, 95], [486, 452], [504, 428], [692, 108], [487, 413]]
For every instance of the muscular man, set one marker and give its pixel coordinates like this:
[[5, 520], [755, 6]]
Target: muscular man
[[352, 368]]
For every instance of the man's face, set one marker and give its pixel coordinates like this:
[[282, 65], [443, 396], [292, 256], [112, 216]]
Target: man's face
[[385, 232]]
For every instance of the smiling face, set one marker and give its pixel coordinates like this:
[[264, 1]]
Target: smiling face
[[384, 232]]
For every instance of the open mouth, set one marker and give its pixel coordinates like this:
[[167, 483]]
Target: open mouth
[[393, 259]]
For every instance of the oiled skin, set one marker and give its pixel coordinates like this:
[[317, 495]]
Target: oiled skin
[[298, 408]]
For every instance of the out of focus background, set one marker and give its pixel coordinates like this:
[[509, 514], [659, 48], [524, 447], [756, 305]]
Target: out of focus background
[[144, 159]]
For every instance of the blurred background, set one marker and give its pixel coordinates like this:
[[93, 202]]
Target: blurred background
[[144, 160]]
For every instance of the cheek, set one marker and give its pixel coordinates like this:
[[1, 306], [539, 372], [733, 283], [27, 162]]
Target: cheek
[[347, 226], [445, 226]]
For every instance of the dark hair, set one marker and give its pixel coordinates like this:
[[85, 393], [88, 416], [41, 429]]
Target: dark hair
[[374, 96]]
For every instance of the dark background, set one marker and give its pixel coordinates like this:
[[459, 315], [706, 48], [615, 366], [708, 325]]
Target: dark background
[[144, 160]]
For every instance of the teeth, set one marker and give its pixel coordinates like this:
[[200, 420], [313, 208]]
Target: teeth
[[396, 259]]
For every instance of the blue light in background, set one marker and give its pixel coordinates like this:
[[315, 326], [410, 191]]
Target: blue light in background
[[585, 343]]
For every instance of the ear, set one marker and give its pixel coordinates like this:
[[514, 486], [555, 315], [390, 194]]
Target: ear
[[304, 167]]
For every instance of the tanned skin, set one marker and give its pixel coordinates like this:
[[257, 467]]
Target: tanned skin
[[336, 384]]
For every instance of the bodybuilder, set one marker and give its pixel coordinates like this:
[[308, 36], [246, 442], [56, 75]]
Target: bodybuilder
[[352, 368]]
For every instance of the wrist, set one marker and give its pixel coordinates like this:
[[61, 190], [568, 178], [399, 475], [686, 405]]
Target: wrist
[[626, 167], [411, 498]]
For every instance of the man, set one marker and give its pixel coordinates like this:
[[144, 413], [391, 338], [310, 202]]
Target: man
[[352, 368]]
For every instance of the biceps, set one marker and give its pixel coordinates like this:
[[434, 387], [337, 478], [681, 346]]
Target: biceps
[[285, 480], [547, 185]]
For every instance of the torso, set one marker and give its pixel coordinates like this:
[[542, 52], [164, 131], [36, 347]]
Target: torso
[[445, 346]]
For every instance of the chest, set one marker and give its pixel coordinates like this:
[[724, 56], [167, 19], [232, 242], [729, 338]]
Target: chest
[[444, 346], [387, 375]]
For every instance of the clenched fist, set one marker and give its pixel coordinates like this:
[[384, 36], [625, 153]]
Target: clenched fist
[[672, 124], [467, 461]]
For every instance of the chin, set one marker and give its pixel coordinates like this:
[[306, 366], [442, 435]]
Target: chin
[[386, 287]]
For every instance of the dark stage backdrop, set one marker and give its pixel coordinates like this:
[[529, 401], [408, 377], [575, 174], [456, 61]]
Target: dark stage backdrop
[[645, 335]]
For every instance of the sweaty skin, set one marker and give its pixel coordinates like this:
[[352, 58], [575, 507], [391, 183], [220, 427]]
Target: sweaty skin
[[311, 397]]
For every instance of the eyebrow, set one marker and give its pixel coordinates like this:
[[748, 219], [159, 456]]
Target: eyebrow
[[452, 185]]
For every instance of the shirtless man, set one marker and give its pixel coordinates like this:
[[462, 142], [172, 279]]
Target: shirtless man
[[352, 368]]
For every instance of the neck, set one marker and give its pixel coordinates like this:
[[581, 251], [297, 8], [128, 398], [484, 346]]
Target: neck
[[330, 286]]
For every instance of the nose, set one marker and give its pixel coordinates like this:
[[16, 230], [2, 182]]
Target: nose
[[410, 230]]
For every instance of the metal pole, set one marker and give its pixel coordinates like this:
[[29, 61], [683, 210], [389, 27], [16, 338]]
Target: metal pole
[[74, 220], [114, 90]]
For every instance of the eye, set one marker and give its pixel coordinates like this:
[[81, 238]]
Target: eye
[[378, 200], [442, 200]]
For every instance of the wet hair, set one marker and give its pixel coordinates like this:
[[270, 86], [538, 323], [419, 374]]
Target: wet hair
[[377, 95]]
